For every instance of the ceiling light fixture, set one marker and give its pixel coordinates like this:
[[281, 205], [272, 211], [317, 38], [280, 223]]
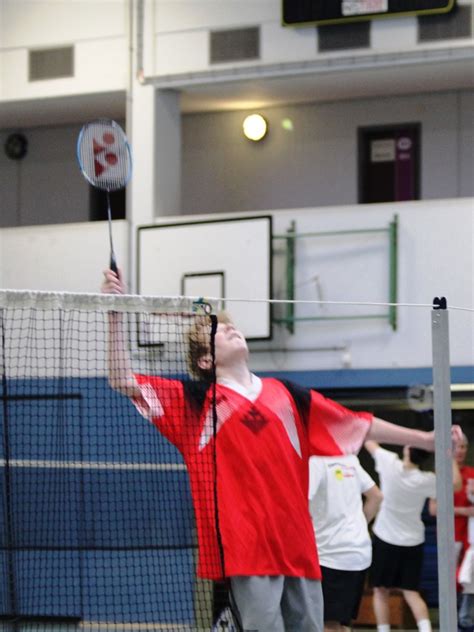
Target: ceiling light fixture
[[255, 127]]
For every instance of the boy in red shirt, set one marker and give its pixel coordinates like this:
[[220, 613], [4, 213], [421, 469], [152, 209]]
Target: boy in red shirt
[[247, 460]]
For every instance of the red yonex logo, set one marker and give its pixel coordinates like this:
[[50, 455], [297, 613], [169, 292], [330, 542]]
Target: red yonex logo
[[104, 157]]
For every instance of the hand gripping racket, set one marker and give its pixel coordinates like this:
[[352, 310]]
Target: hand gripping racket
[[105, 160]]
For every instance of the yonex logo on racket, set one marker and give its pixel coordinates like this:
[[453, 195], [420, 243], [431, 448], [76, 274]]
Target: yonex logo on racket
[[104, 155], [101, 149]]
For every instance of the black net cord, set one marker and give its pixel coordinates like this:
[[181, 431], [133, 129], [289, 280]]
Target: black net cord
[[12, 600], [216, 498], [214, 433]]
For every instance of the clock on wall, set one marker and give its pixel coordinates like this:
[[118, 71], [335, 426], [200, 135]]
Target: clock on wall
[[16, 146]]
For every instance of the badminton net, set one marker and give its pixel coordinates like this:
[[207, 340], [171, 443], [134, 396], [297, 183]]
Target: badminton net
[[97, 528]]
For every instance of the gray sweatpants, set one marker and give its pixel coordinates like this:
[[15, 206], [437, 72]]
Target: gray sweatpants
[[278, 604]]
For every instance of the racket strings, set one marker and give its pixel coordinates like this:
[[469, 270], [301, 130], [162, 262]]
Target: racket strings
[[104, 155]]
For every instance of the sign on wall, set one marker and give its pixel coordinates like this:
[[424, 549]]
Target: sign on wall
[[304, 12]]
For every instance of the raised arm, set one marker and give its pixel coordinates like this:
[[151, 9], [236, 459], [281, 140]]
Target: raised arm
[[120, 372], [466, 512], [385, 432], [371, 446], [373, 500], [382, 431]]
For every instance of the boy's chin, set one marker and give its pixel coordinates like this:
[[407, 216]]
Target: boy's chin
[[239, 352]]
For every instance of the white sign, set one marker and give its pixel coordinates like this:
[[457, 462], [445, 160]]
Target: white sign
[[363, 7], [404, 143], [382, 150]]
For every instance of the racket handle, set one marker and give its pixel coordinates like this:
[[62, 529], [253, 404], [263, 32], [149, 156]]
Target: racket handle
[[113, 263]]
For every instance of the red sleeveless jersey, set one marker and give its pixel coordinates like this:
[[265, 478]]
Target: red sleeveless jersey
[[248, 468]]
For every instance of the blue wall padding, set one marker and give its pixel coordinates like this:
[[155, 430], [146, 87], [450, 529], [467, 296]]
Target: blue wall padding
[[102, 544]]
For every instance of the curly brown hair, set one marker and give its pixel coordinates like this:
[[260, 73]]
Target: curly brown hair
[[198, 339]]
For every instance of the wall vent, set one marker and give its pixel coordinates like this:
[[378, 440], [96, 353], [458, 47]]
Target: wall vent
[[343, 36], [453, 25], [234, 45], [51, 63]]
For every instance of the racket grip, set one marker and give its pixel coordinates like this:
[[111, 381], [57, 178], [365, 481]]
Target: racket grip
[[113, 263]]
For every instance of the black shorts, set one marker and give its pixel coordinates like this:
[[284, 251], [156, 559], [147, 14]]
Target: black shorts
[[395, 566], [342, 594]]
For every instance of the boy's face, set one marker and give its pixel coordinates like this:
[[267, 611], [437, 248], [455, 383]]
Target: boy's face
[[231, 346]]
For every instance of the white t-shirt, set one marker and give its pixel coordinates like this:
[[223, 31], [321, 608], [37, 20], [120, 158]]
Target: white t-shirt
[[466, 569], [405, 491], [335, 487]]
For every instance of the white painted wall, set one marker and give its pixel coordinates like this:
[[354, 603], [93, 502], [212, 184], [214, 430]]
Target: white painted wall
[[46, 186], [59, 257], [316, 163], [466, 143], [313, 165], [435, 258], [181, 36], [98, 31], [175, 40], [180, 41]]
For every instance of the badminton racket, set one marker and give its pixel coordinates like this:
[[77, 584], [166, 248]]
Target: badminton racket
[[105, 160]]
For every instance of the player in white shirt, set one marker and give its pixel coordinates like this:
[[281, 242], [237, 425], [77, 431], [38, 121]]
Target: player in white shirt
[[399, 531], [340, 520]]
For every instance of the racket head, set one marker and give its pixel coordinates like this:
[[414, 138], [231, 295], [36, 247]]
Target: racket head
[[104, 155]]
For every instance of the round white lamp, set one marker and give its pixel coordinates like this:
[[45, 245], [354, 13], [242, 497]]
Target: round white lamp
[[255, 127]]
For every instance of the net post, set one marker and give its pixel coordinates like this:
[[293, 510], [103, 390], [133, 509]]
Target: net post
[[443, 459]]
